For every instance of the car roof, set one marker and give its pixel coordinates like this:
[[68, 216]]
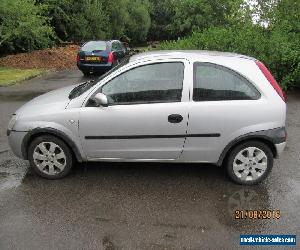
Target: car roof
[[187, 54], [93, 41], [106, 41]]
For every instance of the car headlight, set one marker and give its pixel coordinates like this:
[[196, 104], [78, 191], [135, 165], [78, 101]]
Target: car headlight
[[12, 122]]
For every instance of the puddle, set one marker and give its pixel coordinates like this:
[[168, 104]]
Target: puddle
[[242, 199], [8, 181], [12, 171]]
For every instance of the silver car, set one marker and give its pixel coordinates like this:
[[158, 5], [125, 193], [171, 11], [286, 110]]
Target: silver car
[[163, 106]]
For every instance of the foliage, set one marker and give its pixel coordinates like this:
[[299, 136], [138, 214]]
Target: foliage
[[161, 13], [23, 27], [128, 17], [75, 20], [172, 18], [139, 21], [193, 15], [118, 16], [280, 53], [266, 29]]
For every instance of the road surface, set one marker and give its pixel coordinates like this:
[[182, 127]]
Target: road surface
[[138, 206]]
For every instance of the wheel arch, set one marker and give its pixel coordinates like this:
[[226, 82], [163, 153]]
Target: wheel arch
[[32, 134], [269, 137]]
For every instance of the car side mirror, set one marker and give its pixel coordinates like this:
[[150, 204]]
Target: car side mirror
[[100, 100]]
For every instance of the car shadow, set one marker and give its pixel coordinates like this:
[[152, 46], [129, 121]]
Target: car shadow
[[167, 193], [151, 170]]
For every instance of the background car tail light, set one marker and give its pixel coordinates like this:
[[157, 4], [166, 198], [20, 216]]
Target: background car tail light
[[271, 79], [78, 58], [111, 57]]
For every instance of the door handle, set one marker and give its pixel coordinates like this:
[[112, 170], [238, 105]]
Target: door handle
[[175, 118]]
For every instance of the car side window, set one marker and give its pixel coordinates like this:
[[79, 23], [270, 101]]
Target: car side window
[[114, 46], [152, 83], [217, 83], [119, 47], [122, 47]]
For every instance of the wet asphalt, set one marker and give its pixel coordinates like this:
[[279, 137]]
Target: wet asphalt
[[138, 206]]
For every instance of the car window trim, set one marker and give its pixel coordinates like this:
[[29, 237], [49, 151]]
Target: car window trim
[[231, 71], [99, 90]]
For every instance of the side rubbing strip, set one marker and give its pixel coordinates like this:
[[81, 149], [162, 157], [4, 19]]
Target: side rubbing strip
[[92, 137]]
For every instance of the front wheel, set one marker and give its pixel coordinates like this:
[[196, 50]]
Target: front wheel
[[249, 163], [50, 157]]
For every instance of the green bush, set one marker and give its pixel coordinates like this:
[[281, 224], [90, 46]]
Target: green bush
[[128, 17], [23, 27], [78, 21], [279, 50], [138, 22]]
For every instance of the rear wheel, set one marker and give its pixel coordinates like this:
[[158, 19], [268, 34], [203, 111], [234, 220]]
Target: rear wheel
[[85, 73], [249, 163], [50, 157]]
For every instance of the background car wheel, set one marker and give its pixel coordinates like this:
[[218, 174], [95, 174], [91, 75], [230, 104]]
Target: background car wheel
[[249, 163], [50, 157], [85, 73]]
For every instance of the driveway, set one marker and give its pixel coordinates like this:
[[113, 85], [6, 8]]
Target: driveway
[[138, 206]]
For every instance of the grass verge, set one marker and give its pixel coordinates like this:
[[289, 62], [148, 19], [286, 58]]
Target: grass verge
[[9, 76]]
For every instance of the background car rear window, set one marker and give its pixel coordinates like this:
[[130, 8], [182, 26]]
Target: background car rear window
[[216, 83], [95, 45], [161, 82]]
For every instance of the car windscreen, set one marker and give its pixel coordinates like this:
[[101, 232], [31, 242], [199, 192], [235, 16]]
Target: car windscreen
[[92, 46]]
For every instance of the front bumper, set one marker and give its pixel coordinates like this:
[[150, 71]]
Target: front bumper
[[15, 139]]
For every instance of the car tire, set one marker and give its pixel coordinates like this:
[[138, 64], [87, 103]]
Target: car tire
[[50, 157], [85, 73], [249, 163]]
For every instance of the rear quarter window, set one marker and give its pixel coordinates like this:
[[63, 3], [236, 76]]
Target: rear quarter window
[[217, 83]]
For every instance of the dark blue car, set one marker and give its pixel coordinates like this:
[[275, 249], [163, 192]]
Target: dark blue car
[[100, 56]]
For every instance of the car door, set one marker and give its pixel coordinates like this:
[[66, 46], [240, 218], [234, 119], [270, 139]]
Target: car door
[[121, 50], [116, 48], [222, 107], [146, 116]]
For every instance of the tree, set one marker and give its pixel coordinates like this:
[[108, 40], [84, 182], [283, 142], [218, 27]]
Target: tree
[[88, 21], [273, 38], [161, 13], [197, 15], [23, 27], [59, 11], [138, 23], [78, 20], [118, 17], [285, 28], [128, 17]]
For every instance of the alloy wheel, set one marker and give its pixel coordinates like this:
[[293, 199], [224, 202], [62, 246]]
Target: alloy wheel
[[250, 164], [49, 158]]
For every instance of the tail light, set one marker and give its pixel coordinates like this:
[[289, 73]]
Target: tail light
[[271, 79], [110, 57], [78, 58]]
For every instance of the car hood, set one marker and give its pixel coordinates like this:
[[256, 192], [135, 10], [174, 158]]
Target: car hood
[[49, 102]]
